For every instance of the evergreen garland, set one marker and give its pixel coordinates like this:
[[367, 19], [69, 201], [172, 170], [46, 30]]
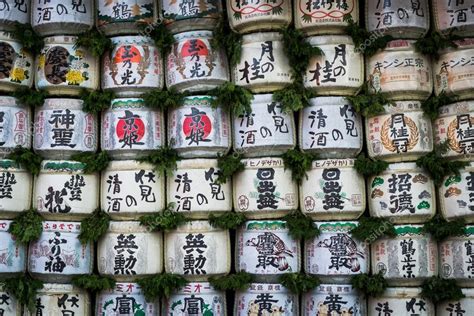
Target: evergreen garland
[[438, 166], [223, 37], [299, 283], [94, 41], [24, 289], [233, 98], [27, 226], [27, 159], [368, 104], [93, 282], [30, 97], [228, 220], [293, 97], [94, 102], [234, 282], [163, 99], [301, 226], [94, 226], [433, 42], [162, 37], [28, 38], [161, 285], [370, 285], [372, 228], [438, 289], [368, 167], [164, 159], [433, 103], [440, 229], [94, 162], [299, 163], [166, 220], [228, 165]]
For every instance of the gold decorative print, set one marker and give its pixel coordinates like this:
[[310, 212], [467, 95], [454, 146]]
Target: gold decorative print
[[459, 139], [399, 133]]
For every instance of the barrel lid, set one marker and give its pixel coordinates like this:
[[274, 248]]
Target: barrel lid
[[192, 34], [264, 162], [196, 227], [275, 288], [61, 166], [408, 230], [465, 43], [61, 226], [9, 101], [132, 39], [400, 292], [331, 101], [10, 165], [330, 40], [125, 165], [461, 107], [261, 37], [200, 163], [334, 227], [55, 288], [262, 98], [265, 225], [60, 39], [333, 163], [403, 166], [126, 103], [198, 100], [62, 103]]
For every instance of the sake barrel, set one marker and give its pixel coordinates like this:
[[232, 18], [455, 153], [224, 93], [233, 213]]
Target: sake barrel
[[15, 125], [12, 11], [266, 131], [401, 133], [197, 129], [264, 189], [126, 299], [398, 18], [16, 64], [193, 65], [130, 129], [130, 189], [12, 254], [456, 258], [200, 297], [453, 17], [454, 70], [453, 126], [403, 193], [266, 250], [246, 17], [400, 72], [115, 17], [400, 301], [134, 66], [63, 191], [61, 17], [460, 307], [317, 17], [339, 71], [63, 129], [265, 299], [64, 69], [58, 255], [333, 190], [61, 299], [330, 128], [128, 250], [335, 299], [263, 65], [197, 250], [334, 256], [16, 186], [407, 259], [194, 191], [182, 15], [456, 195], [9, 306]]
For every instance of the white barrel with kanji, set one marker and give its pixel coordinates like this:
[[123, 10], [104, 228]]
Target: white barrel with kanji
[[198, 129], [12, 11], [134, 66], [63, 129], [456, 257], [330, 128], [129, 250], [407, 259], [398, 18], [456, 195], [130, 189], [61, 299], [125, 298], [454, 126], [401, 133], [333, 190], [60, 17], [16, 187], [130, 129], [453, 72], [338, 71], [400, 301], [193, 65], [400, 72], [460, 307], [266, 250], [64, 69], [16, 64], [15, 125], [453, 17], [196, 250], [340, 299], [58, 255], [12, 253], [335, 256], [182, 15], [265, 299], [403, 193], [263, 65], [116, 17], [317, 17], [9, 305], [62, 191], [267, 131], [199, 297], [194, 191], [264, 189], [247, 16]]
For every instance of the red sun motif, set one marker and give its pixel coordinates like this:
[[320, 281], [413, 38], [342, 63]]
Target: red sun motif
[[127, 53], [197, 124], [194, 47], [130, 129]]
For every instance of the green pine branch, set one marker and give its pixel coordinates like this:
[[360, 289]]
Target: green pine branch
[[434, 102], [434, 42], [162, 285], [163, 99], [24, 289], [165, 159], [94, 226], [299, 163], [369, 167], [440, 229], [93, 283], [228, 165], [162, 37], [370, 285], [94, 41], [94, 162], [438, 289], [234, 282], [301, 226], [367, 103], [228, 220], [166, 220], [372, 228], [29, 39], [27, 226], [299, 283], [233, 98], [223, 37], [27, 159], [30, 97], [96, 101], [293, 97]]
